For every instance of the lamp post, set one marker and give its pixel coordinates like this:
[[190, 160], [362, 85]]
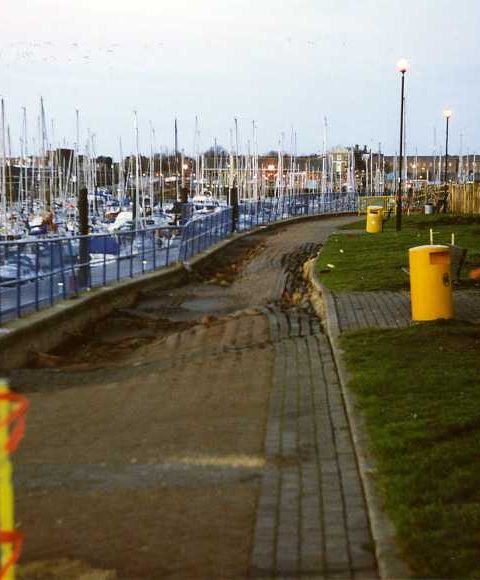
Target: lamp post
[[402, 67], [447, 114]]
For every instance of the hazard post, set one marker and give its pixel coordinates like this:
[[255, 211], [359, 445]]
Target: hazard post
[[12, 423]]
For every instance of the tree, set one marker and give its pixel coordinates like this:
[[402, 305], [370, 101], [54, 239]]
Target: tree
[[216, 150]]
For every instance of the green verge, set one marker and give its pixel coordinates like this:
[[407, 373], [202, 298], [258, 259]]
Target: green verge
[[357, 261], [419, 390]]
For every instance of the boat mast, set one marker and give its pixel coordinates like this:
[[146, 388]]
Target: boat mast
[[3, 167], [240, 194], [121, 177], [52, 165], [25, 155], [76, 154], [9, 163], [159, 155], [324, 158], [93, 170], [43, 153], [151, 167], [231, 176], [136, 205], [255, 160], [197, 159], [177, 188]]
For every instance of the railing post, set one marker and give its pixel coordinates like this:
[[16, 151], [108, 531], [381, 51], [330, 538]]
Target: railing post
[[192, 251], [37, 270], [143, 251], [217, 219], [18, 283], [50, 245], [104, 274], [132, 239], [155, 237], [197, 237], [72, 268], [119, 247], [62, 268]]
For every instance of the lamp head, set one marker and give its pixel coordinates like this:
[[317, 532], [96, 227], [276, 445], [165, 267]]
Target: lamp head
[[447, 113], [403, 65]]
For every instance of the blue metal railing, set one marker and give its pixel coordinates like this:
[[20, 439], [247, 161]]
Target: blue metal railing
[[201, 232], [261, 212], [36, 273]]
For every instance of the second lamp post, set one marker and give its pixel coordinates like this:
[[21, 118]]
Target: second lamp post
[[402, 66], [447, 114]]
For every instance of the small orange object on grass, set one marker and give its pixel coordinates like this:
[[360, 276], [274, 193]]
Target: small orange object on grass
[[474, 274]]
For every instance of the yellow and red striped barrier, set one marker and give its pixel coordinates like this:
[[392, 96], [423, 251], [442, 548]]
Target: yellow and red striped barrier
[[13, 408]]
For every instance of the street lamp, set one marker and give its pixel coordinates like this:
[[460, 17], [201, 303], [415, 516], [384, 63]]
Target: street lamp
[[402, 66], [447, 113]]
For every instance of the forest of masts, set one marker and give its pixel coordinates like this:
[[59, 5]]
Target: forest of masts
[[43, 177]]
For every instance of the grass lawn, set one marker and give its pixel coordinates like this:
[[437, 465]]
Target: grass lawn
[[420, 391], [358, 261], [419, 388]]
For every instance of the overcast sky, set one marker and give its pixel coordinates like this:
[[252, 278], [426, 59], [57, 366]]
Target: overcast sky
[[280, 63]]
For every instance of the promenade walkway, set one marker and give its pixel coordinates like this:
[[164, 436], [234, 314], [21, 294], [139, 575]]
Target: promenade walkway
[[200, 434]]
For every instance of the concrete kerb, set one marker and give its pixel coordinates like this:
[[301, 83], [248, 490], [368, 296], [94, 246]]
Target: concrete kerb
[[389, 560], [44, 330]]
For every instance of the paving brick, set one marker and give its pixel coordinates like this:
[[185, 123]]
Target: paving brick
[[337, 556], [352, 501], [357, 519], [365, 574], [305, 515], [311, 559], [362, 558]]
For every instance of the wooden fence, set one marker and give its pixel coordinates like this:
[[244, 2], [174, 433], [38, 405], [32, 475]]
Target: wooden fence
[[465, 198]]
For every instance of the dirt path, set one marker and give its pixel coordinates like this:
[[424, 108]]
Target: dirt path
[[144, 452]]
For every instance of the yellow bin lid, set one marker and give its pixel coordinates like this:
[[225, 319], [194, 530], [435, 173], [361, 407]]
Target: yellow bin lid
[[430, 248]]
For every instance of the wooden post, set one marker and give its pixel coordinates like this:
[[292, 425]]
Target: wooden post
[[84, 253], [234, 204]]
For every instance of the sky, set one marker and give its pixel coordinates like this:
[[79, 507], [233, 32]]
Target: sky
[[284, 64]]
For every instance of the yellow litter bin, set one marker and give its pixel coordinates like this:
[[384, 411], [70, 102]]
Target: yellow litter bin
[[430, 282], [374, 219]]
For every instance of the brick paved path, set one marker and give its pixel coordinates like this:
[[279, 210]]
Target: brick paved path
[[311, 518], [356, 310]]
